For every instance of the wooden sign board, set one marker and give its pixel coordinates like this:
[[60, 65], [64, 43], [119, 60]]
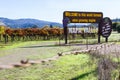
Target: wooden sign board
[[83, 17]]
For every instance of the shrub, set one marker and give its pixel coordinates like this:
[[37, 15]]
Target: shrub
[[114, 26], [118, 28]]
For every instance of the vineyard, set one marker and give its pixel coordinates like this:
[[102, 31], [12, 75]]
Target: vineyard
[[45, 33], [31, 34]]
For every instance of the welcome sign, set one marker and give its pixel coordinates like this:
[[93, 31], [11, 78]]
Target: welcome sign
[[105, 24], [83, 17]]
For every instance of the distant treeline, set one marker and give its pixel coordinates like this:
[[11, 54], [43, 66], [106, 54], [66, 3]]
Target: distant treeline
[[116, 20]]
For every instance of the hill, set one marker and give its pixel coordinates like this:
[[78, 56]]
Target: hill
[[27, 23]]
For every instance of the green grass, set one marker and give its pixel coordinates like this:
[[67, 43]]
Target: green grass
[[116, 59], [70, 67], [15, 45]]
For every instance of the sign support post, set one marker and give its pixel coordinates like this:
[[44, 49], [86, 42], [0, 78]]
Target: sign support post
[[65, 23], [106, 39], [99, 34], [66, 34], [99, 38]]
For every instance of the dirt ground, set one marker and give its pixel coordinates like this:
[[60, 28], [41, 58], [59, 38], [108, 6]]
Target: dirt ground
[[17, 54], [21, 53]]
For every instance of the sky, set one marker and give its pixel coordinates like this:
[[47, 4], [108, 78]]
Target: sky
[[52, 10]]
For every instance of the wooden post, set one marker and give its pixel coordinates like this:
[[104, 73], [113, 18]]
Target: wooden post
[[65, 34], [99, 32], [65, 22], [106, 39]]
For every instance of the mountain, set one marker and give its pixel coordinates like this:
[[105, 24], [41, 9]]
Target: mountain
[[27, 23]]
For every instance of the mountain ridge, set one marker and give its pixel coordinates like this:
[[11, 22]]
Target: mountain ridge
[[27, 23]]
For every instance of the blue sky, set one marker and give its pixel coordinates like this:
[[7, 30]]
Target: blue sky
[[52, 10]]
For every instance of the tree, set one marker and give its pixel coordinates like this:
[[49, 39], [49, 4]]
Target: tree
[[34, 26], [118, 28], [114, 26], [51, 26]]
